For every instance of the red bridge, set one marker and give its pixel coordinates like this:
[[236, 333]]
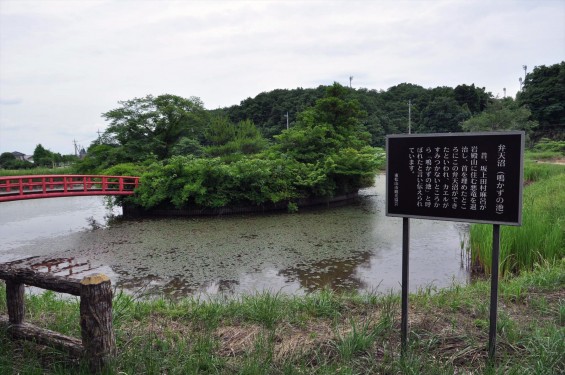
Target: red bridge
[[14, 188]]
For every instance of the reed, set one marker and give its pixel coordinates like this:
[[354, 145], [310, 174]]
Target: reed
[[542, 234]]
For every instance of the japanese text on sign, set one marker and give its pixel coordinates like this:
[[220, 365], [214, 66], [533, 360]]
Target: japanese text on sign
[[475, 177]]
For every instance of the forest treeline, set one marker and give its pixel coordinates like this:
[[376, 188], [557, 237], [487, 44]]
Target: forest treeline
[[164, 126], [539, 108]]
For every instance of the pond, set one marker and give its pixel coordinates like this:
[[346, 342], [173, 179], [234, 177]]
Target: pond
[[354, 247]]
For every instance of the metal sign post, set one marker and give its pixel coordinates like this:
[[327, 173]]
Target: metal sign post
[[405, 269], [494, 291], [469, 177]]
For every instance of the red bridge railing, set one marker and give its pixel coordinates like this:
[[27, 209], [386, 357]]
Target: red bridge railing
[[49, 186]]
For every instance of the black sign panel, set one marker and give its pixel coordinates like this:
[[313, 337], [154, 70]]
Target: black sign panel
[[471, 177]]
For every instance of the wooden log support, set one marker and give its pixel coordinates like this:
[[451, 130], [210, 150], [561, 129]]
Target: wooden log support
[[15, 301], [96, 320], [41, 280], [98, 344], [41, 336]]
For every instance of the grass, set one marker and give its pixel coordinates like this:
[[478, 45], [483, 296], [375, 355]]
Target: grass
[[544, 155], [547, 150], [321, 333], [534, 171], [542, 234], [36, 171]]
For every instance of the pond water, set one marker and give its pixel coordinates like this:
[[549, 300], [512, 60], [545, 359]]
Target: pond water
[[354, 247]]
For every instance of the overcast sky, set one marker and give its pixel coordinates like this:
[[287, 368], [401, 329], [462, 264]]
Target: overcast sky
[[63, 63]]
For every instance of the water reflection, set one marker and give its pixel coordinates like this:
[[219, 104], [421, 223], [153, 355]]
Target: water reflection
[[344, 248], [334, 274]]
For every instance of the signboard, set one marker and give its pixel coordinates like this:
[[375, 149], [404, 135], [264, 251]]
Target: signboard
[[471, 177]]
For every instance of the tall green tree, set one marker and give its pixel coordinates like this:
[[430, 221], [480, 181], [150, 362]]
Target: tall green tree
[[474, 98], [332, 142], [226, 138], [442, 115], [395, 107], [499, 115], [544, 95], [333, 123], [220, 130], [153, 125], [102, 156], [43, 157]]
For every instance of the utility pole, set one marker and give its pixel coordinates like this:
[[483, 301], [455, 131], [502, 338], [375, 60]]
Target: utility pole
[[409, 116]]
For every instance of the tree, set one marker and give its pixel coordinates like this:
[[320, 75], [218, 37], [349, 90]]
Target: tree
[[226, 138], [6, 158], [394, 115], [268, 109], [332, 143], [43, 157], [544, 95], [333, 123], [220, 130], [100, 157], [187, 146], [475, 98], [9, 161], [501, 114], [442, 115], [154, 124]]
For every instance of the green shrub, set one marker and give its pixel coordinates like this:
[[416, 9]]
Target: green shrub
[[546, 144]]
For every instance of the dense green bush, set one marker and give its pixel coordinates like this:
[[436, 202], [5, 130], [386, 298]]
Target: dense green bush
[[184, 181], [266, 178], [548, 145]]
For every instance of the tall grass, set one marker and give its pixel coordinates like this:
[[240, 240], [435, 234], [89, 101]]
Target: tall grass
[[542, 234], [534, 171]]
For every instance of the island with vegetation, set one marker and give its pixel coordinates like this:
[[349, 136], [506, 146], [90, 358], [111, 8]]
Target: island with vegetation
[[221, 164]]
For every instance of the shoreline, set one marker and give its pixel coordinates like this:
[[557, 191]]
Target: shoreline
[[130, 211]]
